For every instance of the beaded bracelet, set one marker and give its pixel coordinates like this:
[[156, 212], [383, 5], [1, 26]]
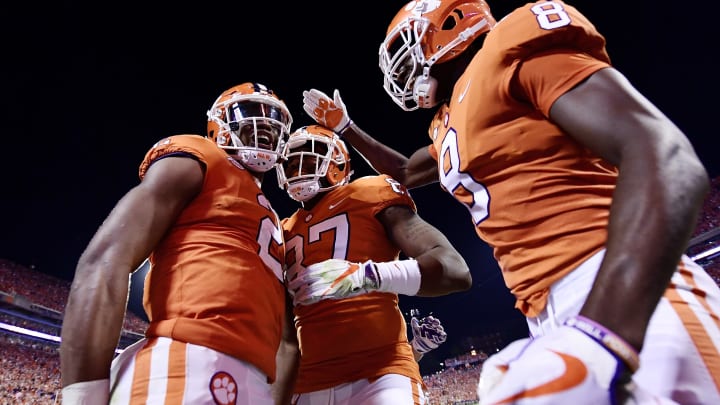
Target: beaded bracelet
[[607, 338]]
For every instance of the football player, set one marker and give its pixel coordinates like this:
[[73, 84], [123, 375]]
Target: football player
[[344, 272], [586, 191], [214, 294]]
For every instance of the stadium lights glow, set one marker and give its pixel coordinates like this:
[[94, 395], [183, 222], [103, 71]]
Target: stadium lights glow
[[706, 253], [29, 332], [44, 336]]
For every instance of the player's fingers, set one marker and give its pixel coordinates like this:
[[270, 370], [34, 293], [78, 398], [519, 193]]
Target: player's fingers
[[297, 283], [309, 110], [318, 94], [310, 98]]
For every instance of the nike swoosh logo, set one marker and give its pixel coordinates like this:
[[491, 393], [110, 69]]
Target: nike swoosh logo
[[464, 92], [331, 206], [575, 373]]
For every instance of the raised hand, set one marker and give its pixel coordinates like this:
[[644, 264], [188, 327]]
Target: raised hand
[[427, 333], [328, 112]]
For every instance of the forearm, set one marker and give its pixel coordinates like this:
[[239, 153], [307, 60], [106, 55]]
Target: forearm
[[92, 325], [656, 200], [651, 219], [415, 171], [380, 157], [444, 272], [288, 360]]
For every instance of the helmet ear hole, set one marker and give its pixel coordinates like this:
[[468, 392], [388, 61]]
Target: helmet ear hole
[[450, 22], [333, 177], [325, 182]]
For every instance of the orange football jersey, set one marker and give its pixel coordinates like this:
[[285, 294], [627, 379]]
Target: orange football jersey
[[536, 196], [359, 337], [216, 278]]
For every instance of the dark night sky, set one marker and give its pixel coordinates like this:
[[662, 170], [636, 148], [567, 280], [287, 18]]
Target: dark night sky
[[89, 88]]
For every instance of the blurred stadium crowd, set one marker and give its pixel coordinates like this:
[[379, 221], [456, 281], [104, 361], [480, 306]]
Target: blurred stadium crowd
[[32, 303]]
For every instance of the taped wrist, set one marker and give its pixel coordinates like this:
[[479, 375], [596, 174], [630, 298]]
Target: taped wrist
[[399, 276], [87, 392], [608, 339]]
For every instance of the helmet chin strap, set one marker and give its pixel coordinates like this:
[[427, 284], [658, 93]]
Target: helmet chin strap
[[425, 89], [304, 190], [257, 160]]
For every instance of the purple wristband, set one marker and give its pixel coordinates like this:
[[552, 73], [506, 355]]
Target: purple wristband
[[607, 338], [343, 129], [372, 277]]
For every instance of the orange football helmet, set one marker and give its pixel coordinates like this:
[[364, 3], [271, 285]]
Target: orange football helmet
[[423, 33], [251, 123], [315, 160]]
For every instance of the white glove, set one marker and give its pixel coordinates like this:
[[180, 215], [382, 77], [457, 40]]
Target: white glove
[[96, 392], [494, 368], [330, 113], [567, 366], [427, 333], [333, 279]]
